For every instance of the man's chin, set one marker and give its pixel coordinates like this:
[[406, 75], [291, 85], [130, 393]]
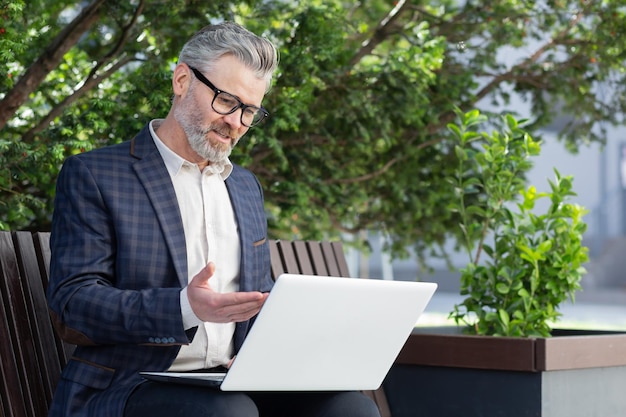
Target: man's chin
[[218, 156]]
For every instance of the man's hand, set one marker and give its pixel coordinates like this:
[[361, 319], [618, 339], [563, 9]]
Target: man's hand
[[215, 307]]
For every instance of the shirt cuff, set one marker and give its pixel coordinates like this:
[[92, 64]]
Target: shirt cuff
[[190, 319]]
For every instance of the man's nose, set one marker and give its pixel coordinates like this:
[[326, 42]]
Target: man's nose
[[234, 119]]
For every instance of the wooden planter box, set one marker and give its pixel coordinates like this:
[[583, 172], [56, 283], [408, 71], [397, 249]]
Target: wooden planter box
[[442, 373]]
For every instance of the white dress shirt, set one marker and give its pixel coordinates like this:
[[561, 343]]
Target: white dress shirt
[[211, 234]]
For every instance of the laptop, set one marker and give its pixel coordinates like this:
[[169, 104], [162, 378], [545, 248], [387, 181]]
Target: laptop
[[318, 333]]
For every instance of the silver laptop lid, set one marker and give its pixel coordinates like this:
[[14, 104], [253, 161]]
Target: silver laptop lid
[[327, 333]]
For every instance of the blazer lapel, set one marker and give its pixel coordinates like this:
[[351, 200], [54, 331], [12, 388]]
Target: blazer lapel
[[239, 205], [155, 178]]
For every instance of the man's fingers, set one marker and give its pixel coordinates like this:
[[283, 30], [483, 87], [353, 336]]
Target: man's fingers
[[212, 306], [242, 305], [229, 307], [243, 298], [246, 311], [201, 279]]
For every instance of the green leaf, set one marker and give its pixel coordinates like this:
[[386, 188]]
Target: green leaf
[[502, 288]]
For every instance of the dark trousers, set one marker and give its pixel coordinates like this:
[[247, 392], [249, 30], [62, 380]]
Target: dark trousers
[[157, 399]]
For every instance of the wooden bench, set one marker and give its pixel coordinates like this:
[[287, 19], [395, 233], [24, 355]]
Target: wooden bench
[[31, 353]]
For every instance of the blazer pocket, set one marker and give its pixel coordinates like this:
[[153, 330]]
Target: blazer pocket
[[88, 374], [259, 242]]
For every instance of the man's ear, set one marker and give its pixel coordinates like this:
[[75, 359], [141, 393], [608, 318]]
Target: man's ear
[[181, 79]]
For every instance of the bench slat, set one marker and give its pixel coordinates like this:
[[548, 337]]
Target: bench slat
[[42, 249], [20, 333], [50, 360], [317, 257], [11, 395], [275, 259], [340, 258], [301, 253], [331, 260], [41, 241], [288, 256]]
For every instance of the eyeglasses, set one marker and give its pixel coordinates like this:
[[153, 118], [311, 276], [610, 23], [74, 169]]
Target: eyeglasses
[[226, 103]]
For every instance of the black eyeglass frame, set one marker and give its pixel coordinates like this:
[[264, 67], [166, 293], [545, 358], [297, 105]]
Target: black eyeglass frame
[[241, 105]]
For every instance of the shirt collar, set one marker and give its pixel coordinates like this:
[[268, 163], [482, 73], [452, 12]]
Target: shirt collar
[[174, 162]]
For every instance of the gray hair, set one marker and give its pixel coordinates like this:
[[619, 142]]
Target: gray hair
[[213, 42]]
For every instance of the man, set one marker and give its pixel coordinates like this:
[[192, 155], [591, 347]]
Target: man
[[160, 257]]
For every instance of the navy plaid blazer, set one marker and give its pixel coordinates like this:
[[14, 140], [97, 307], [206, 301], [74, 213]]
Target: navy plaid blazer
[[118, 264]]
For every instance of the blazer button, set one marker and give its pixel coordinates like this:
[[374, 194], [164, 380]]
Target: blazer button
[[151, 339], [157, 340], [171, 340]]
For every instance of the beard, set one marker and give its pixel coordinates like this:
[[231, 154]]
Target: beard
[[212, 150]]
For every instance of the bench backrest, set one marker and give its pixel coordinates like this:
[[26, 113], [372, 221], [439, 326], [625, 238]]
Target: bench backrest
[[31, 353], [308, 257]]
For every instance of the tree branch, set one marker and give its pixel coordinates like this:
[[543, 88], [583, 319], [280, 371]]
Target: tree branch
[[48, 60], [528, 61], [368, 176], [385, 28], [93, 79], [91, 82]]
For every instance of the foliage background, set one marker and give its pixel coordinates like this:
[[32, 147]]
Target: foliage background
[[357, 139]]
